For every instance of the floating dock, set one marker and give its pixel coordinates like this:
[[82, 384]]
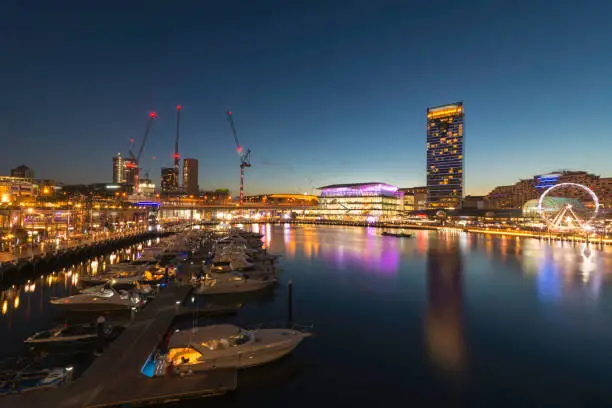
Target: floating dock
[[115, 378]]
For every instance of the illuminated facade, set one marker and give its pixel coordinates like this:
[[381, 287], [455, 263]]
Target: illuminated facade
[[131, 171], [359, 202], [415, 198], [190, 176], [168, 180], [283, 199], [445, 155], [515, 195], [118, 169], [12, 188]]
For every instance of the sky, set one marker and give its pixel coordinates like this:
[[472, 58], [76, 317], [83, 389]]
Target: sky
[[322, 92]]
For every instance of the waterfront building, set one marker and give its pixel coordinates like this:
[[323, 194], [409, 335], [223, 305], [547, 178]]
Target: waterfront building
[[168, 180], [515, 195], [118, 169], [363, 202], [22, 171], [13, 188], [415, 198], [474, 202], [146, 187], [445, 135], [190, 176], [283, 199]]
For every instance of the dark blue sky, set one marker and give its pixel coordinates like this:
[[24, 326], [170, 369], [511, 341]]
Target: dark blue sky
[[322, 91]]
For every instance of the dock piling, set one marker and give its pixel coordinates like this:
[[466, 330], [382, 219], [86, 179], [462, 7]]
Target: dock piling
[[290, 303]]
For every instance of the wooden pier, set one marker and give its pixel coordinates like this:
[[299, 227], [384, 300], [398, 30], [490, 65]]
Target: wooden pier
[[115, 378]]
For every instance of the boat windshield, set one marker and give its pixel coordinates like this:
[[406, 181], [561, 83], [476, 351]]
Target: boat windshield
[[239, 339], [183, 355], [106, 293]]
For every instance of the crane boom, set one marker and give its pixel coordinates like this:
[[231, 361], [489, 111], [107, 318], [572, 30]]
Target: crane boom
[[177, 156], [231, 121], [245, 156], [152, 116]]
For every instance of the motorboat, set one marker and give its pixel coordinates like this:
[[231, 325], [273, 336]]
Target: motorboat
[[231, 282], [229, 346], [74, 333], [396, 234], [106, 299], [31, 380]]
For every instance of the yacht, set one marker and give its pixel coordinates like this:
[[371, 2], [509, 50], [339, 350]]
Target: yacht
[[229, 346], [107, 299], [231, 282], [74, 333]]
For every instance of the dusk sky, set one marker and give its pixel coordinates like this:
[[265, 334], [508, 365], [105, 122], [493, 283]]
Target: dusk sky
[[322, 92]]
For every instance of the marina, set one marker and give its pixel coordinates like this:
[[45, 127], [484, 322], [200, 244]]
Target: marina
[[445, 340]]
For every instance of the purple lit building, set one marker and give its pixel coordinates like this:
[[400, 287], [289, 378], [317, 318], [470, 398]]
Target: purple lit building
[[359, 202]]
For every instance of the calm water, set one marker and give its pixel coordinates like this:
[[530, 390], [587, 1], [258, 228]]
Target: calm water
[[441, 319]]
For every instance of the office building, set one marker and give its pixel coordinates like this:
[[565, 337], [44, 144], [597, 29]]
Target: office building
[[415, 198], [168, 180], [190, 176], [366, 202], [23, 172], [118, 169], [445, 135], [131, 171]]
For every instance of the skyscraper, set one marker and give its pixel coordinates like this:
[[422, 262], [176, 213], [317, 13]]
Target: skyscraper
[[445, 156], [190, 176], [118, 169], [22, 171], [131, 171], [168, 178]]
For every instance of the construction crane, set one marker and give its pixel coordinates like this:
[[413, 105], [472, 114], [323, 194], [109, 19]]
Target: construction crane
[[177, 156], [134, 163], [245, 156]]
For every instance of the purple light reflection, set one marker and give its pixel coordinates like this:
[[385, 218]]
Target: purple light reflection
[[372, 255]]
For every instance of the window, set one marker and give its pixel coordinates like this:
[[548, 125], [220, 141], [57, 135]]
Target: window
[[183, 355]]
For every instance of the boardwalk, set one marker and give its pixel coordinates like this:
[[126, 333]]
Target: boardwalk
[[115, 378]]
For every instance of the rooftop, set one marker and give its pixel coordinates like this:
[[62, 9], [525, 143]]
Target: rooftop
[[354, 185]]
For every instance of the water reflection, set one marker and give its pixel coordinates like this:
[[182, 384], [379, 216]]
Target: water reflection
[[60, 283], [444, 318]]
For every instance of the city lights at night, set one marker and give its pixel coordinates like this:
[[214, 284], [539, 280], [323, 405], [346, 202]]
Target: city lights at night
[[264, 203]]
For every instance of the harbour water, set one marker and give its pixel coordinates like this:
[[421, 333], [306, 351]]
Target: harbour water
[[439, 319]]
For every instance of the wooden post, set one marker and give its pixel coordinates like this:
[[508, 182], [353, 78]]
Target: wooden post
[[290, 303]]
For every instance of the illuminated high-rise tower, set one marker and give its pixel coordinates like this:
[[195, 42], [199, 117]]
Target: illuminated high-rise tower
[[445, 156], [190, 176], [118, 169]]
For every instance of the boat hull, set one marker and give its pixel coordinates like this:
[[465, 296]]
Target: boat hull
[[225, 289], [91, 307]]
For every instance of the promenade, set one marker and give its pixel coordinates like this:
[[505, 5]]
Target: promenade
[[49, 246]]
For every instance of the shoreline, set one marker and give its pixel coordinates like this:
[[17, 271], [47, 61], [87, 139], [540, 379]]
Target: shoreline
[[483, 231]]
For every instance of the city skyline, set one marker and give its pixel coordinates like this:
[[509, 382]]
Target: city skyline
[[342, 103]]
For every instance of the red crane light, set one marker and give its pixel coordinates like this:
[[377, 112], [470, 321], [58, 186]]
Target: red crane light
[[229, 112], [131, 140], [152, 115], [176, 155], [239, 149], [179, 107], [153, 157]]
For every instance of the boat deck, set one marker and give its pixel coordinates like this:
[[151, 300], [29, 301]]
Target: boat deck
[[115, 379]]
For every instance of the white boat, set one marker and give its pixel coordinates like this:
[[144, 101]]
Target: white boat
[[104, 300], [232, 282], [75, 333], [229, 346]]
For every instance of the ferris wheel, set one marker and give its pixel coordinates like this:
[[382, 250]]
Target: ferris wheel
[[568, 213]]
